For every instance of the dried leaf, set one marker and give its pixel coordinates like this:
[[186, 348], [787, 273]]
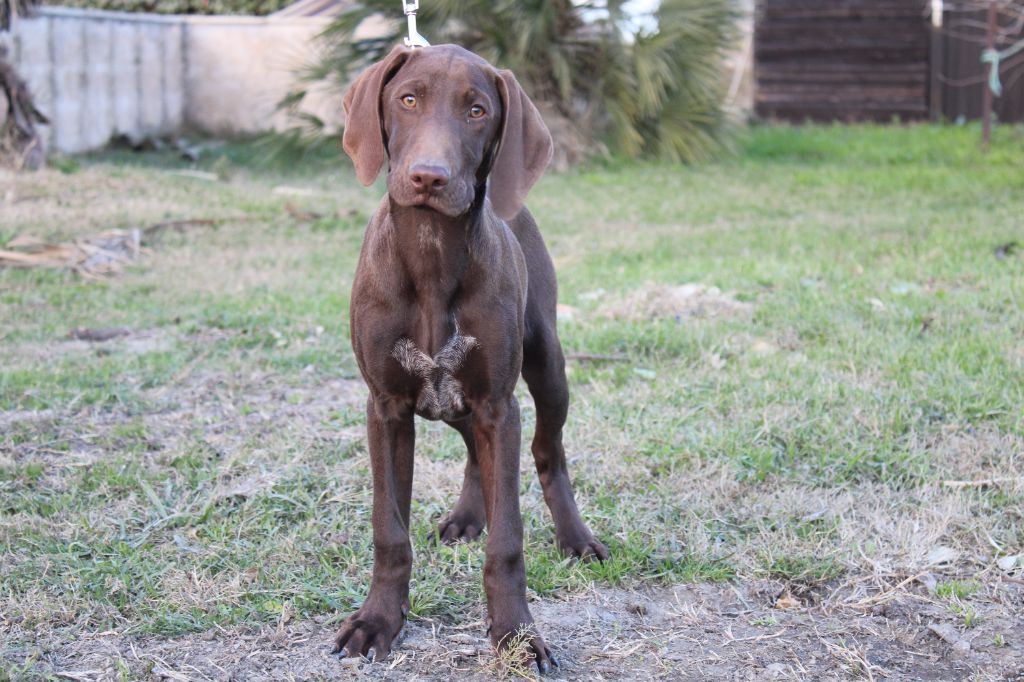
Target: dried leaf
[[787, 601]]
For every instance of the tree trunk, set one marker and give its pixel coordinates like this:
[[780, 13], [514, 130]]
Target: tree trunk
[[20, 143]]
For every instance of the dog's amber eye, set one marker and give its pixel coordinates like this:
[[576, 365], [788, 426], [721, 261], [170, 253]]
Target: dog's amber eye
[[409, 101], [476, 111]]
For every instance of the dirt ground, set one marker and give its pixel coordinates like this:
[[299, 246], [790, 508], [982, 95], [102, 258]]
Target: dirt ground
[[720, 632], [889, 626]]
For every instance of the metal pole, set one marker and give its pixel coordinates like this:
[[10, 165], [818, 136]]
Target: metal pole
[[986, 101], [936, 59]]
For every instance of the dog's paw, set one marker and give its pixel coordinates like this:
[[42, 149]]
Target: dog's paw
[[369, 634], [520, 645], [584, 547], [459, 527]]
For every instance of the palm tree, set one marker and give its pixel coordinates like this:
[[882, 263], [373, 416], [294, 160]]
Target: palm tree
[[20, 144], [605, 79]]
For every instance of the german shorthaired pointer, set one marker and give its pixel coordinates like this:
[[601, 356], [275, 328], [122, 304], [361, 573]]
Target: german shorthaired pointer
[[454, 297]]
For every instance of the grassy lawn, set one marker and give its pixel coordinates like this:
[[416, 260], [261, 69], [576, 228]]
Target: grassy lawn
[[782, 364]]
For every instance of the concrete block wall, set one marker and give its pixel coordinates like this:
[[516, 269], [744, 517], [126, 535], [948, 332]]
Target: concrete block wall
[[238, 71], [98, 74]]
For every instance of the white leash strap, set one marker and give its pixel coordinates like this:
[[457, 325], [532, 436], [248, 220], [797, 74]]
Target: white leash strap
[[414, 39]]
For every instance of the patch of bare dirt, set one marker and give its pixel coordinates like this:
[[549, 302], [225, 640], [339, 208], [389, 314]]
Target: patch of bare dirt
[[656, 301], [702, 631], [222, 411]]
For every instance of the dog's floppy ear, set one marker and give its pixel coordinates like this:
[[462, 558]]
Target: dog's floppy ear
[[524, 149], [363, 139]]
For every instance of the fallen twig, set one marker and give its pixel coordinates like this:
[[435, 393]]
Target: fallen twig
[[588, 357], [301, 214], [757, 638], [875, 599], [83, 675], [100, 254], [194, 222], [103, 334], [984, 482], [96, 255]]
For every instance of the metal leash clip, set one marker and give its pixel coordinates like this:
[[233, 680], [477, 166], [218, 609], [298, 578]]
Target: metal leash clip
[[414, 39]]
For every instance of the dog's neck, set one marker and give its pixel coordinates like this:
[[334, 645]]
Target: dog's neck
[[436, 257], [436, 245]]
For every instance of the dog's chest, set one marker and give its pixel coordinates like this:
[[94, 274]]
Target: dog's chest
[[440, 394]]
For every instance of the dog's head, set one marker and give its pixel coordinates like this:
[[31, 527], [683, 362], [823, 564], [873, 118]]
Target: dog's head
[[446, 120]]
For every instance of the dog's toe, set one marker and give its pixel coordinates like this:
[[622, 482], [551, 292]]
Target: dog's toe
[[454, 529], [590, 549]]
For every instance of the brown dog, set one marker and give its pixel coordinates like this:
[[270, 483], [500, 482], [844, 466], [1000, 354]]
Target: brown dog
[[450, 303]]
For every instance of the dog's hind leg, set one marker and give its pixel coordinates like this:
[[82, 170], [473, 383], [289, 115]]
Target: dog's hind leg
[[544, 371], [467, 519]]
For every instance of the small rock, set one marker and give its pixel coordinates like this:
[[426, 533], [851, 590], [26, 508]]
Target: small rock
[[1007, 563], [463, 638], [776, 669], [947, 633], [643, 372], [941, 555]]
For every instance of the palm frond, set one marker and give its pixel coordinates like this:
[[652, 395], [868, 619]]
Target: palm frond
[[638, 91]]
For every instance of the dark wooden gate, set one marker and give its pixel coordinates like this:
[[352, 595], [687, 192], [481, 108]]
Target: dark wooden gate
[[960, 73], [846, 60]]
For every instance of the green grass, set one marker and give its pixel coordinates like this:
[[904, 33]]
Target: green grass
[[209, 475], [957, 589]]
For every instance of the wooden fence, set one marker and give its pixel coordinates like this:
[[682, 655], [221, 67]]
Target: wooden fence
[[846, 60]]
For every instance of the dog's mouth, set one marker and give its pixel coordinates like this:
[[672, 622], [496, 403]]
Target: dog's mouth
[[447, 202], [433, 201]]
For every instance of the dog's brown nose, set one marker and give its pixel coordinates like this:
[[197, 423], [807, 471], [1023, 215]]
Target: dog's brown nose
[[429, 178]]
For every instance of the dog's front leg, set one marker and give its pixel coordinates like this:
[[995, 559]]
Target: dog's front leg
[[391, 436], [496, 430]]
